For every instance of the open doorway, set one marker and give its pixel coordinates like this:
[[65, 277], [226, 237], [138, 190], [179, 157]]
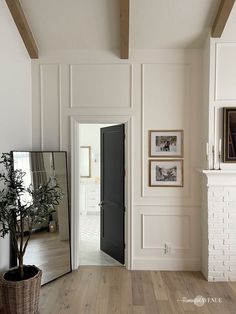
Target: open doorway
[[101, 163]]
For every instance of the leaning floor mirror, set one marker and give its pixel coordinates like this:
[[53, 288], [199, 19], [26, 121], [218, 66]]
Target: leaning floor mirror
[[49, 248]]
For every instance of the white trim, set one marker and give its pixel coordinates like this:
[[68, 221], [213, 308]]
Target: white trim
[[173, 264], [75, 121], [60, 105], [41, 105], [74, 201]]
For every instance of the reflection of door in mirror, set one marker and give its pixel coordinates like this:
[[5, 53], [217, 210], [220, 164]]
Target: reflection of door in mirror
[[49, 248], [85, 161]]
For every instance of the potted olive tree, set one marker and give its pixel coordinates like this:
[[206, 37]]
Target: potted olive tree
[[20, 286]]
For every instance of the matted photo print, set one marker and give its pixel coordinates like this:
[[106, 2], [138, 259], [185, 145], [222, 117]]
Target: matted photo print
[[166, 173], [166, 143]]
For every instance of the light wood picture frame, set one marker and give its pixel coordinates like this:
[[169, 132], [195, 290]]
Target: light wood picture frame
[[166, 173], [166, 143]]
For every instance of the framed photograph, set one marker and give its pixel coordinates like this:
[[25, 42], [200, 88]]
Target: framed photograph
[[166, 143], [229, 135], [166, 173]]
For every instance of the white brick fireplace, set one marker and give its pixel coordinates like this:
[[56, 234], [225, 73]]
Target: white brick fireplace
[[219, 225]]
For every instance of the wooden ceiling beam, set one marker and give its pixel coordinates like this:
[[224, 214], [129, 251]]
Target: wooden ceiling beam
[[23, 27], [124, 28], [222, 17]]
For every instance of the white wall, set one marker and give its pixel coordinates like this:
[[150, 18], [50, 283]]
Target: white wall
[[15, 97], [159, 90], [89, 135]]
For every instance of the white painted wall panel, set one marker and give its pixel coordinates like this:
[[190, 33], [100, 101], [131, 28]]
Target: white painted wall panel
[[166, 106], [166, 224], [100, 86], [225, 72], [165, 88], [50, 106], [158, 230]]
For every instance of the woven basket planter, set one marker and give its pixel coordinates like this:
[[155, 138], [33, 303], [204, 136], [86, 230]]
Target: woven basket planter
[[21, 297]]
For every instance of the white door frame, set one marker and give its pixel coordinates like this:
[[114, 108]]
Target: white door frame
[[75, 120]]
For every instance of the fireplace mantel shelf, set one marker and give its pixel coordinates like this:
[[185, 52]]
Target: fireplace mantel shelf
[[215, 172], [219, 177]]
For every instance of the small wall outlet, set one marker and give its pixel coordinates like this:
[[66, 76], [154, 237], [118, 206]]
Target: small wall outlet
[[168, 248]]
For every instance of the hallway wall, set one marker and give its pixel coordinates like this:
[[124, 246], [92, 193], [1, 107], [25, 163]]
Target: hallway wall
[[89, 135]]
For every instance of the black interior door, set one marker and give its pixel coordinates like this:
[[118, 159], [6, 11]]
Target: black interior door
[[112, 191]]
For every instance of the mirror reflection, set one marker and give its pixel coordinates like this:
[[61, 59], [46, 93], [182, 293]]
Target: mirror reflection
[[49, 248]]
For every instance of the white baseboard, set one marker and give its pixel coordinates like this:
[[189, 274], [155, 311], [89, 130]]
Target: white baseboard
[[173, 264]]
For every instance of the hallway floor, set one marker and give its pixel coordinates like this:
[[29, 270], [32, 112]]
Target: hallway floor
[[110, 290], [89, 252]]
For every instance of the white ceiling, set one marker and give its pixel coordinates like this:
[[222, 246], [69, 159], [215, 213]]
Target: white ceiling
[[94, 24], [171, 23], [73, 24]]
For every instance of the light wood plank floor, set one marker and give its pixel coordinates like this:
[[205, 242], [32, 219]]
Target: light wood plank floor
[[108, 290]]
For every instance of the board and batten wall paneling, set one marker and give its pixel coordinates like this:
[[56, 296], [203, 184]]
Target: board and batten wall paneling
[[50, 106], [101, 86], [160, 91], [177, 227]]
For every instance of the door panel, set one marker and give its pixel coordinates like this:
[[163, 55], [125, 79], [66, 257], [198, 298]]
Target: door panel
[[112, 191]]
